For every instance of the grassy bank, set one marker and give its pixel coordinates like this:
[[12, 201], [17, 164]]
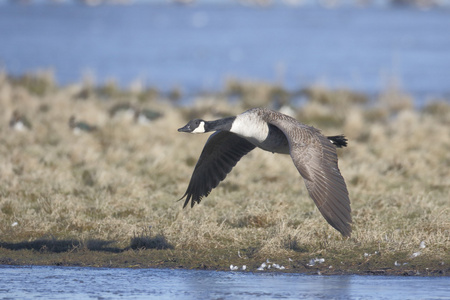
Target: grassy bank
[[108, 197]]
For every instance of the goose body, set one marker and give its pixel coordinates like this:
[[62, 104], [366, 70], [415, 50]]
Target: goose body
[[313, 154]]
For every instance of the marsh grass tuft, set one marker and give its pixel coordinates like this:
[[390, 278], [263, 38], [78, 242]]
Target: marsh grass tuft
[[146, 240], [7, 209], [36, 83], [252, 221], [93, 193], [291, 243]]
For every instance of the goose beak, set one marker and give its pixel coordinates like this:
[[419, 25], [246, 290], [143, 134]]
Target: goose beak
[[186, 128]]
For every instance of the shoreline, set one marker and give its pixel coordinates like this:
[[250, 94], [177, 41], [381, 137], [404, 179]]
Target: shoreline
[[161, 259]]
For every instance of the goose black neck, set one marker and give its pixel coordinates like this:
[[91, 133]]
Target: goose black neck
[[221, 124]]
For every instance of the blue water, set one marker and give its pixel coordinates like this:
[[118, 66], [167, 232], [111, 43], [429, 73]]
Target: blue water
[[98, 283], [198, 47]]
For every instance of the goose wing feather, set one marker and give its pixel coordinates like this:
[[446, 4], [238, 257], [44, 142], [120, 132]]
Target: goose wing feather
[[220, 154], [316, 160]]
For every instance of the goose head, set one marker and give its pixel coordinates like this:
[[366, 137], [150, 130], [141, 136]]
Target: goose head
[[194, 126]]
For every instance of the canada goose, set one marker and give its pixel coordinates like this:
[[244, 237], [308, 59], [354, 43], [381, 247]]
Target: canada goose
[[313, 154], [122, 110], [19, 122], [78, 127], [139, 115], [145, 116]]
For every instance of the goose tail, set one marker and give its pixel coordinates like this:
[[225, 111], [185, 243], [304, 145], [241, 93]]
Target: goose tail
[[338, 140]]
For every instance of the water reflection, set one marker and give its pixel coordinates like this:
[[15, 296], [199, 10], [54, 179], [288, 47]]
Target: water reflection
[[65, 282]]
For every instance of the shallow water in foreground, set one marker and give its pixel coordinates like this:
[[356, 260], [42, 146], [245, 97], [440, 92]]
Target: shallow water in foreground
[[102, 283]]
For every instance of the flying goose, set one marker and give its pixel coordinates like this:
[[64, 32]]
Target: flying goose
[[313, 154]]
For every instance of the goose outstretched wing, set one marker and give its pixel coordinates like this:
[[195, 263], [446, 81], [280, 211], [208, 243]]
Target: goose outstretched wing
[[315, 158], [220, 154]]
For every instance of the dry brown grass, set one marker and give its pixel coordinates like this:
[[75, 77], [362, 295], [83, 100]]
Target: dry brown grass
[[121, 182]]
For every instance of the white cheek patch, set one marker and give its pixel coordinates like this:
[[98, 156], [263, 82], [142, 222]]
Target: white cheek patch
[[200, 128]]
